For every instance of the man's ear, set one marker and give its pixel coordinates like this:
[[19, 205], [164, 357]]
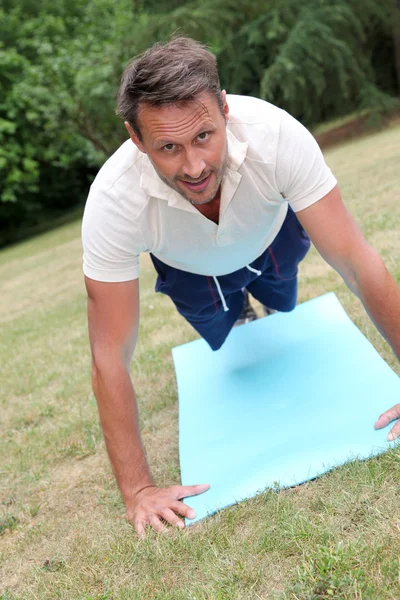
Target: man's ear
[[134, 137], [225, 103]]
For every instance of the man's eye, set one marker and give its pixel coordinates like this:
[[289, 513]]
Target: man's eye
[[203, 136], [169, 147]]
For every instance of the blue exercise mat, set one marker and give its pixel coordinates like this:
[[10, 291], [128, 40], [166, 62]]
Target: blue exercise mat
[[284, 400]]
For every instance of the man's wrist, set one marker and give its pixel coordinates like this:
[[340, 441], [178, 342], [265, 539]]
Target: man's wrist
[[129, 492]]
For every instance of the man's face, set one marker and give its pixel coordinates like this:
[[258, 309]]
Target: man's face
[[186, 145]]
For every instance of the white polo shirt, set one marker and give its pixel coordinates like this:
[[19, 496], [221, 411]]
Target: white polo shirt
[[273, 161]]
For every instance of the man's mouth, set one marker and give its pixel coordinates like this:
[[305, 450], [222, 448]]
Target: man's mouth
[[197, 186]]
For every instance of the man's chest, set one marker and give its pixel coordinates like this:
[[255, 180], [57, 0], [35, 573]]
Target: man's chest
[[246, 210], [210, 210]]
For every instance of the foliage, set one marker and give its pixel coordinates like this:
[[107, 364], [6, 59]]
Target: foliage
[[59, 71], [315, 58], [60, 65]]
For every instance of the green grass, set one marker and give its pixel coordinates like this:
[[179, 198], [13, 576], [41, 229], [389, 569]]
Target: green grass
[[63, 534]]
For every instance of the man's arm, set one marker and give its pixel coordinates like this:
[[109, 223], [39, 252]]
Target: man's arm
[[113, 317], [340, 242]]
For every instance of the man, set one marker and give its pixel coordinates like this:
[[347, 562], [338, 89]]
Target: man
[[221, 191]]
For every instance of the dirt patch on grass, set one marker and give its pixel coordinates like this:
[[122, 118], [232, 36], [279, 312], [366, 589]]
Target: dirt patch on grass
[[356, 128]]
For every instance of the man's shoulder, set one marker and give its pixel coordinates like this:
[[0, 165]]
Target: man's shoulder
[[257, 122], [248, 110], [120, 171]]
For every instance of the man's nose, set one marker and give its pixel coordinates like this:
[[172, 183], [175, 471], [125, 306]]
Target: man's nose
[[194, 165]]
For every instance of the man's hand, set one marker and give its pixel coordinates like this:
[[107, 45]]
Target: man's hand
[[387, 417], [151, 504], [340, 242]]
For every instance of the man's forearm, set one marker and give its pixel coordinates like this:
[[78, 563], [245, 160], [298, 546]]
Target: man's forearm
[[120, 423], [380, 296]]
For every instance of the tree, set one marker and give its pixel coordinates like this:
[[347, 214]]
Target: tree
[[60, 66], [396, 40], [314, 58], [59, 72]]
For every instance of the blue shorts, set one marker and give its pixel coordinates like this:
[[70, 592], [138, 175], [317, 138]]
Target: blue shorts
[[213, 304]]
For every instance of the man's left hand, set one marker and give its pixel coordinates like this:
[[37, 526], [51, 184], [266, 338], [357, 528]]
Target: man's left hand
[[387, 417]]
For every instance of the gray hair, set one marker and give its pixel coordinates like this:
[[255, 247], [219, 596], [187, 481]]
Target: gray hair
[[174, 72]]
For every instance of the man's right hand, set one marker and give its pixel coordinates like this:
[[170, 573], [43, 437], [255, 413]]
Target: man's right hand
[[113, 312], [151, 504]]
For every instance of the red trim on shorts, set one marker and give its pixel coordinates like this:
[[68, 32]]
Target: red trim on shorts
[[212, 293], [272, 255]]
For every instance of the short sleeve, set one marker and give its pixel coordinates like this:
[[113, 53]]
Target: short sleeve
[[302, 175], [111, 239]]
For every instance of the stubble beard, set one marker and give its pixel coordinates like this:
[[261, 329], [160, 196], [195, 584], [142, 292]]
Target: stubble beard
[[219, 176]]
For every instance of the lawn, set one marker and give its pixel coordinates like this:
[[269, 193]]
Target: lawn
[[63, 533]]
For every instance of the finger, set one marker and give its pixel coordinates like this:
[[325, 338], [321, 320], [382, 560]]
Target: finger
[[183, 509], [140, 530], [157, 525], [169, 516], [394, 432], [184, 491], [388, 416]]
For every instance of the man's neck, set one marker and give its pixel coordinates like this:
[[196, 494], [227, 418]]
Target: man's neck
[[211, 209]]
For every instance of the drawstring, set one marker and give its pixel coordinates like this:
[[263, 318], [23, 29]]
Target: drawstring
[[226, 308], [220, 294], [254, 270]]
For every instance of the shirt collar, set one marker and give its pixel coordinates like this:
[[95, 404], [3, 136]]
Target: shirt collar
[[155, 187]]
